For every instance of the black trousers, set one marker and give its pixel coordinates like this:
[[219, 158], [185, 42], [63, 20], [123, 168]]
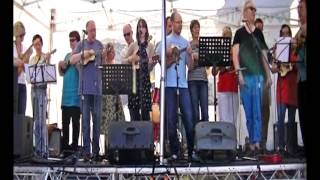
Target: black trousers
[[68, 113]]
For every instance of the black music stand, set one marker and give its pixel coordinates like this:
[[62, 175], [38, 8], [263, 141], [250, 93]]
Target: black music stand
[[214, 51], [116, 79]]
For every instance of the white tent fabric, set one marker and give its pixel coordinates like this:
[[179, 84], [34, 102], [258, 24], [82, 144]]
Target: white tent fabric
[[111, 15]]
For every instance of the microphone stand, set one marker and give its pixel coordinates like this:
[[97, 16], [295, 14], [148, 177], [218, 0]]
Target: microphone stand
[[81, 81], [258, 47]]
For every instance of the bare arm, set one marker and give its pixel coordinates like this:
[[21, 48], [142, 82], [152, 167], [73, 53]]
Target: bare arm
[[236, 63], [190, 58]]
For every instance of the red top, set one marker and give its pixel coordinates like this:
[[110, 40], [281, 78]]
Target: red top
[[227, 81], [287, 86]]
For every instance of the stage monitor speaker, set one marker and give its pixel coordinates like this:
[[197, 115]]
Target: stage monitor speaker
[[23, 136], [130, 142], [216, 138], [55, 142]]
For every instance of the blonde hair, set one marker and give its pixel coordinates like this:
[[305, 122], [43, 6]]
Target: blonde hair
[[18, 29], [226, 32], [246, 5]]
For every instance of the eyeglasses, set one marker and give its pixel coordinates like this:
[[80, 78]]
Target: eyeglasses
[[252, 8], [72, 40], [126, 34]]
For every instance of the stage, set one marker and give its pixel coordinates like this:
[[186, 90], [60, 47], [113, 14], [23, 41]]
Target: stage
[[292, 168]]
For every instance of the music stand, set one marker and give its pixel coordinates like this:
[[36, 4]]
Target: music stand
[[214, 51], [116, 79], [41, 73], [283, 49]]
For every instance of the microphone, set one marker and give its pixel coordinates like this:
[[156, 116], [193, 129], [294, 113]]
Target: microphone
[[84, 31]]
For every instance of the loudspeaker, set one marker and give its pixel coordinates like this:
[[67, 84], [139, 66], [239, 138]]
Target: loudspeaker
[[216, 137], [55, 142], [22, 136], [130, 142]]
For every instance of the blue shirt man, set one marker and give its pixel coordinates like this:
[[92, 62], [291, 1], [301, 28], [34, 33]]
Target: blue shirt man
[[90, 88], [178, 94]]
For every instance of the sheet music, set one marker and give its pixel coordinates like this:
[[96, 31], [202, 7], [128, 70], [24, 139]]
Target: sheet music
[[41, 73], [283, 49]]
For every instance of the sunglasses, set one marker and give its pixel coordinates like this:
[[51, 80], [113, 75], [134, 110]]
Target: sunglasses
[[252, 8], [22, 35], [72, 40], [126, 34]]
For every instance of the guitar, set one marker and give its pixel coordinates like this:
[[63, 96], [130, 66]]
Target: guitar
[[46, 56], [176, 51], [284, 68], [23, 58], [92, 56]]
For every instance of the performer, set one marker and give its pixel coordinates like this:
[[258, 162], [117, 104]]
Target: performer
[[286, 97], [21, 56], [70, 103], [266, 96], [301, 38], [227, 88], [140, 55], [197, 78], [90, 88], [179, 55], [247, 54], [39, 102], [111, 104]]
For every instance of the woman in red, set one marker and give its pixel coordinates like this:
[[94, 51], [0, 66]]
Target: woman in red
[[286, 96], [228, 99]]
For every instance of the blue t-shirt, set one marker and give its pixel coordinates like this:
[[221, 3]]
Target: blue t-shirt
[[171, 76], [70, 96], [92, 84]]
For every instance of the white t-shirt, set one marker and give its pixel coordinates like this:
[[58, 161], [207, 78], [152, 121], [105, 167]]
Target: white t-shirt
[[21, 78]]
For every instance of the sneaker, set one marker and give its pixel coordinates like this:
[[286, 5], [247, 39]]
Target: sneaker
[[193, 157], [173, 158], [97, 158], [86, 158]]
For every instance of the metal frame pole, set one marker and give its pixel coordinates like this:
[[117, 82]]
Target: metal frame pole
[[162, 79]]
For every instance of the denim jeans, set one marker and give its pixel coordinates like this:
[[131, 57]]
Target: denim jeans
[[39, 105], [91, 105], [251, 96], [22, 99], [199, 96], [171, 117], [281, 108]]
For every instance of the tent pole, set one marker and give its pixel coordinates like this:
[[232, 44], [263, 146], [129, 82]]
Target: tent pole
[[162, 79]]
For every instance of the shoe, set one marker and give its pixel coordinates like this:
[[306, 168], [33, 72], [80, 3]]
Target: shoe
[[86, 158], [193, 157], [97, 158], [173, 158]]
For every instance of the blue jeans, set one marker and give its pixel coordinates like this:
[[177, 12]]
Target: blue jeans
[[171, 117], [199, 96], [91, 105], [281, 108], [251, 96], [22, 99], [39, 105]]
